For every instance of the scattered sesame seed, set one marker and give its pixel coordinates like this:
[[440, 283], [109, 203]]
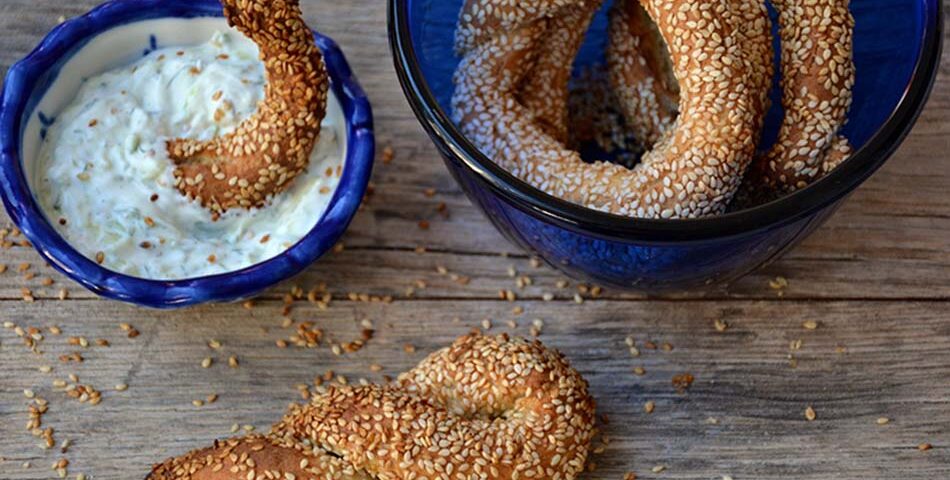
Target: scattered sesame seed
[[778, 283], [682, 382]]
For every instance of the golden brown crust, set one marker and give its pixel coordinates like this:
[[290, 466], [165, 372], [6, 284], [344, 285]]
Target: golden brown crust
[[255, 458], [640, 72], [545, 91], [693, 171], [266, 152], [486, 407], [816, 91], [642, 75], [817, 82]]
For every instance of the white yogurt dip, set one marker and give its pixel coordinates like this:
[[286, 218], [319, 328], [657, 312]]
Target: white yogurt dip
[[105, 181]]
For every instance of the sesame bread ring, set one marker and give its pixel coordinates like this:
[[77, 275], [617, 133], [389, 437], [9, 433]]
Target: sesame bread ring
[[816, 91], [485, 407], [545, 91], [693, 171], [817, 81], [640, 72], [257, 458], [266, 152]]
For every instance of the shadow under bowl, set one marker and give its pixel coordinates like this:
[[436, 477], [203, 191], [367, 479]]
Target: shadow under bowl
[[897, 52], [33, 94]]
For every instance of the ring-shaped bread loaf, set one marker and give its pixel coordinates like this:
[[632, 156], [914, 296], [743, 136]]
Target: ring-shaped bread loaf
[[692, 171], [493, 408], [265, 153], [817, 80], [256, 457]]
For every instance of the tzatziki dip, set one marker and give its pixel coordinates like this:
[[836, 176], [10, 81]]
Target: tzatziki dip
[[105, 181]]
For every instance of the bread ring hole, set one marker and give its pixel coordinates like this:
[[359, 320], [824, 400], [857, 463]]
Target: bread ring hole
[[308, 443], [657, 55], [462, 407], [622, 108]]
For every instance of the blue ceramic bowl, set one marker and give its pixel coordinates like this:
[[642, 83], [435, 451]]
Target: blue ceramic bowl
[[897, 51], [32, 95]]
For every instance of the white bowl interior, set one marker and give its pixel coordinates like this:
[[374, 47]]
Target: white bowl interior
[[115, 48]]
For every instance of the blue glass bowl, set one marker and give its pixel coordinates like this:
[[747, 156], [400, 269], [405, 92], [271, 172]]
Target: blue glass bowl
[[29, 82], [897, 51]]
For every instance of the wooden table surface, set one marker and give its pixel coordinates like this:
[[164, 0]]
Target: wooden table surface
[[875, 281]]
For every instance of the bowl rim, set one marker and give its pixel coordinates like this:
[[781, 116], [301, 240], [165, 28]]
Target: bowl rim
[[23, 82], [802, 204]]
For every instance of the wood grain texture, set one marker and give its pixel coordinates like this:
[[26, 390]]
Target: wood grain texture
[[876, 279]]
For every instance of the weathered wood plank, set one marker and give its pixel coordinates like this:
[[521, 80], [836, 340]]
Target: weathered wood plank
[[921, 271], [894, 364]]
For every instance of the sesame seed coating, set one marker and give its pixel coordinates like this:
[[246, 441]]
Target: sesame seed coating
[[256, 457], [266, 152], [640, 72], [693, 170], [818, 77], [545, 92], [483, 408]]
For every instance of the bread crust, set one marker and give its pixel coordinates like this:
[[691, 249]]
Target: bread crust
[[492, 408], [818, 78], [266, 152], [256, 457], [694, 170], [817, 81]]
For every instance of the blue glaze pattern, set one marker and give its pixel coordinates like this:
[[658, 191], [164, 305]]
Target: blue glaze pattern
[[897, 51], [28, 80], [46, 122], [152, 45]]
